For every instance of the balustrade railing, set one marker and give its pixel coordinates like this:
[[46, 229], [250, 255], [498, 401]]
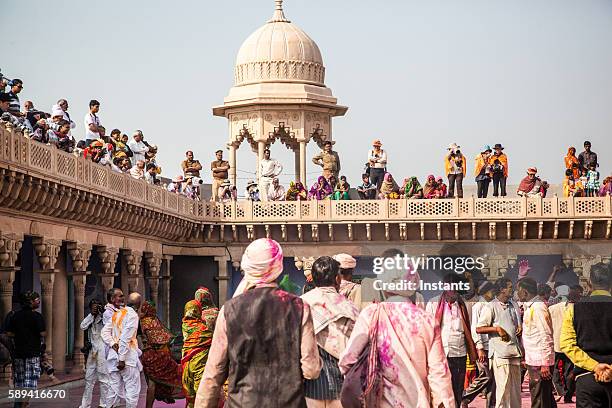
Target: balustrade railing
[[20, 151]]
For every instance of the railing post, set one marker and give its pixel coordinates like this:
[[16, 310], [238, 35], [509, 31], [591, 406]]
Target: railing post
[[570, 206], [554, 207], [524, 206], [456, 207], [607, 209]]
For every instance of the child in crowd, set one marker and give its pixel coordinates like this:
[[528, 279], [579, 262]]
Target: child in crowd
[[592, 185]]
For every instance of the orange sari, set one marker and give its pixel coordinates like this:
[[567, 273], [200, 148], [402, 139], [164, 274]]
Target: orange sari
[[571, 162]]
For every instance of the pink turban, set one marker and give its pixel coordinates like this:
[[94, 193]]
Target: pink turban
[[346, 261], [262, 262]]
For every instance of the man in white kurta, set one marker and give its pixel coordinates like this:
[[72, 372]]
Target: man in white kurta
[[123, 360], [95, 366], [268, 170]]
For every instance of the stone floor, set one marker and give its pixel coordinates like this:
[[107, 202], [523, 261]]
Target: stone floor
[[74, 391]]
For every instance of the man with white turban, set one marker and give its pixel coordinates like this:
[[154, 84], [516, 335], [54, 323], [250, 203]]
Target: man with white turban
[[264, 342], [348, 288]]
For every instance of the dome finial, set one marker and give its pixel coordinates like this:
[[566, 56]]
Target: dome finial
[[279, 15]]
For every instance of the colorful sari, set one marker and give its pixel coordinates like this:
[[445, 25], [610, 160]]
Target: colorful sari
[[320, 190], [389, 188], [157, 362], [296, 192], [198, 327], [412, 188], [572, 163]]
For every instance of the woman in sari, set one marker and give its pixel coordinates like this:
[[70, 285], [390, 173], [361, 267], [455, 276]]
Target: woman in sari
[[296, 192], [430, 190], [606, 188], [389, 188], [160, 369], [320, 190], [412, 188], [572, 163], [198, 327]]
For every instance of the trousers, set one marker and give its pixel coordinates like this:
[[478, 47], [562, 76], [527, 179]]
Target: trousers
[[216, 183], [483, 188], [127, 382], [313, 403], [592, 394], [541, 390], [563, 380], [456, 365], [499, 182], [264, 187], [452, 180], [96, 370], [507, 373], [483, 382], [376, 177]]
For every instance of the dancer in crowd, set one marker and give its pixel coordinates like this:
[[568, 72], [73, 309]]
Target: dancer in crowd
[[276, 341], [160, 369], [198, 326], [123, 360], [95, 362], [334, 317], [413, 368]]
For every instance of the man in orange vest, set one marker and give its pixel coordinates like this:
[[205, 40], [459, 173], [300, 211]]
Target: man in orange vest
[[123, 359], [499, 166]]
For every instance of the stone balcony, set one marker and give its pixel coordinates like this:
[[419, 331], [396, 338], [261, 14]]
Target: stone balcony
[[41, 181]]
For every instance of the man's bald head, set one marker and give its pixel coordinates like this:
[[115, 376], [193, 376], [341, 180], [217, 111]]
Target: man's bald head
[[134, 300]]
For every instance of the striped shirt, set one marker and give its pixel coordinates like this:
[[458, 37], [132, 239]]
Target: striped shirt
[[14, 105]]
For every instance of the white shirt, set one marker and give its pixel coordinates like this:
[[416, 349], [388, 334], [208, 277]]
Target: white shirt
[[91, 118], [95, 325], [270, 168], [276, 194], [537, 334], [453, 339], [379, 159], [123, 332], [557, 311], [480, 340], [139, 149]]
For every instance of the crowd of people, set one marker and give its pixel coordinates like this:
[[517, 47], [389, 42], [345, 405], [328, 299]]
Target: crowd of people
[[490, 166], [133, 156], [137, 157], [339, 343]]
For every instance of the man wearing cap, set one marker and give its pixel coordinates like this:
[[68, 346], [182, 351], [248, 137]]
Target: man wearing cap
[[177, 185], [531, 185], [5, 102], [484, 381], [482, 171], [252, 191], [454, 167], [499, 166], [377, 161], [328, 160], [348, 288], [269, 169], [219, 170]]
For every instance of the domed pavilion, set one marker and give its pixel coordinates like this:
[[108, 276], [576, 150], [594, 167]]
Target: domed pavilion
[[279, 93]]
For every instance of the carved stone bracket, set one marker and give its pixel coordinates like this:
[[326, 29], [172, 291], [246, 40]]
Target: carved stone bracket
[[47, 251], [9, 250], [133, 260], [79, 254], [305, 264]]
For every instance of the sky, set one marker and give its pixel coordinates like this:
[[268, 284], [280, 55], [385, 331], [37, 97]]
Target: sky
[[535, 76]]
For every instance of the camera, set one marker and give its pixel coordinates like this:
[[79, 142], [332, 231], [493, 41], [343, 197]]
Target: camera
[[197, 180]]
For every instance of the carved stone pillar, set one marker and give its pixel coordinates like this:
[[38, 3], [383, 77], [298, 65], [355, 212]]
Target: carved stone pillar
[[108, 258], [296, 155], [223, 278], [232, 163], [47, 252], [79, 254], [303, 162], [165, 288], [152, 275], [9, 251], [133, 260], [305, 264]]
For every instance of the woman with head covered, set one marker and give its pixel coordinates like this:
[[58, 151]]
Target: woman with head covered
[[264, 341], [412, 364]]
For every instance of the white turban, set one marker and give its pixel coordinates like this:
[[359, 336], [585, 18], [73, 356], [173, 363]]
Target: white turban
[[346, 261], [262, 262], [56, 111]]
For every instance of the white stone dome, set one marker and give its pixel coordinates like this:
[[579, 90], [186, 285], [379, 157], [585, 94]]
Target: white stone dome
[[279, 51]]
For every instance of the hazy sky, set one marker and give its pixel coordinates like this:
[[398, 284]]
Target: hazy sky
[[535, 76]]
